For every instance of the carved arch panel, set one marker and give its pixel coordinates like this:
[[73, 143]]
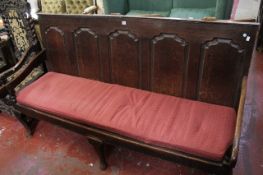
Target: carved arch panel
[[125, 59], [58, 56], [169, 64], [86, 43], [220, 73]]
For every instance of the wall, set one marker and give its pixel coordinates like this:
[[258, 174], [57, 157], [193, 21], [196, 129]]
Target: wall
[[245, 9], [100, 6]]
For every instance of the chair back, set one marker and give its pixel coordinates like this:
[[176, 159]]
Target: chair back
[[19, 24]]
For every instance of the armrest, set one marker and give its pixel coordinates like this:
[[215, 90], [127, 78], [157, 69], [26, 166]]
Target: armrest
[[19, 64], [33, 63], [90, 9], [240, 113]]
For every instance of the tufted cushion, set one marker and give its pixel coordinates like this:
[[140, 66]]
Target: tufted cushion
[[53, 6], [197, 128], [77, 6]]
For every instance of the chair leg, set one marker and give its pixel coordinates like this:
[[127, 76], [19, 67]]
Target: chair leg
[[225, 171], [29, 124], [99, 147], [229, 171]]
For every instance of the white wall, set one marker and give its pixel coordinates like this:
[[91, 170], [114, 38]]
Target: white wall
[[247, 9], [34, 8], [100, 7]]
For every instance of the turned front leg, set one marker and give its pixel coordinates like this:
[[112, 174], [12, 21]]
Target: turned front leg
[[29, 124], [99, 147]]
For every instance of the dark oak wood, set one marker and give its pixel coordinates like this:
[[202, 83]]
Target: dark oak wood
[[220, 71], [199, 60], [125, 59], [169, 64], [88, 58], [22, 61], [29, 124], [99, 147], [240, 113]]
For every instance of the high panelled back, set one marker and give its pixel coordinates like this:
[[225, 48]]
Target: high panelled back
[[197, 60]]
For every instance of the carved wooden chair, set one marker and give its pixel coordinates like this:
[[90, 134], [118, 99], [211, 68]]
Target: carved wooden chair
[[20, 26]]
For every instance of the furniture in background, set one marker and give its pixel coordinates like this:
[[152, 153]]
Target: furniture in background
[[53, 6], [79, 6], [19, 24], [24, 42], [220, 9], [68, 6]]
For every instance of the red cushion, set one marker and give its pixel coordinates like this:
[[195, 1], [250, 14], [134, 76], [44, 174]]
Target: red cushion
[[198, 128]]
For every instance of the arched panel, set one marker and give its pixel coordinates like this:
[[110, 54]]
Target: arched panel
[[125, 59], [57, 52], [220, 72], [169, 64], [87, 53]]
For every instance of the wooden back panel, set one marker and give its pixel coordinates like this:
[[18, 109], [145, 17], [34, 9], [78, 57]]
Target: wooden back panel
[[198, 60]]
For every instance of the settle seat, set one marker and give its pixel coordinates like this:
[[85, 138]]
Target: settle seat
[[220, 9], [182, 124], [171, 88]]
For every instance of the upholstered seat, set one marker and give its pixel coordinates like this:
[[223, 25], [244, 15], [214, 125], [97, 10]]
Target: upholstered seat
[[197, 128]]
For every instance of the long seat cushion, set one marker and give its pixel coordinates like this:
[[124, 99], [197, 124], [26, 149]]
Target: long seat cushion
[[201, 129]]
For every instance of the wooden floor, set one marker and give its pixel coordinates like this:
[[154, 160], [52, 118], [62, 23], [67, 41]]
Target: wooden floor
[[56, 151]]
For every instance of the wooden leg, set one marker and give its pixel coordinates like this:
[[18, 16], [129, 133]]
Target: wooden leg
[[225, 171], [4, 108], [229, 171], [30, 124], [99, 147]]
